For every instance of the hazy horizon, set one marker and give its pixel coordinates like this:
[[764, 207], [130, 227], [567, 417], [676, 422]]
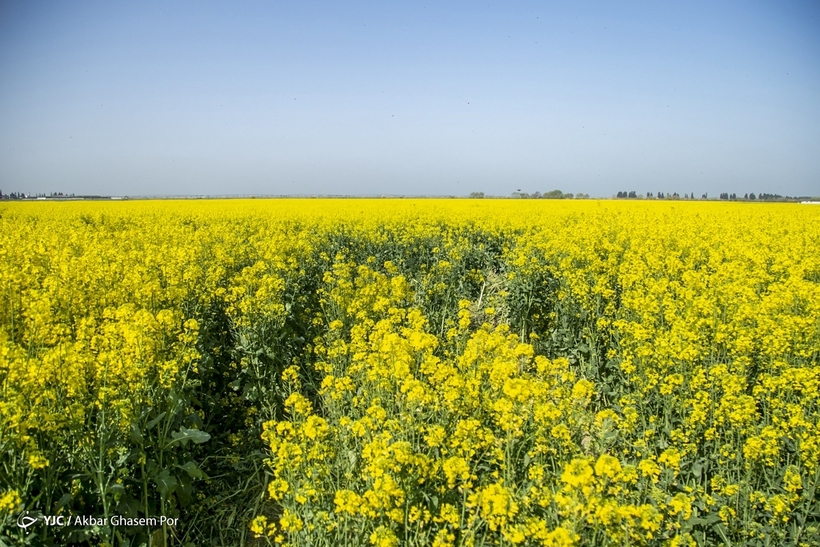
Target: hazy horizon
[[423, 99]]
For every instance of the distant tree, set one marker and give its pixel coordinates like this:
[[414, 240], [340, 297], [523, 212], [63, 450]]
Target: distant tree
[[536, 195], [705, 196], [568, 196], [553, 194], [477, 195], [752, 196], [633, 194]]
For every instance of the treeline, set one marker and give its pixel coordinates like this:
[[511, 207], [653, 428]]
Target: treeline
[[23, 195], [552, 194], [723, 196]]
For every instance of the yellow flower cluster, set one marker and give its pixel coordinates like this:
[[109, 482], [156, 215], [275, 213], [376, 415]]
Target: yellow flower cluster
[[417, 372]]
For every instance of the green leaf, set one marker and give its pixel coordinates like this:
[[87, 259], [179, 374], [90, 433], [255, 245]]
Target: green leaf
[[155, 421], [193, 471], [157, 537], [136, 434], [184, 435], [166, 483], [63, 502], [722, 532], [184, 490]]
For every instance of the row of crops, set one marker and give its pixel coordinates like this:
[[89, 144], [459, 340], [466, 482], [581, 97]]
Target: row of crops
[[409, 372]]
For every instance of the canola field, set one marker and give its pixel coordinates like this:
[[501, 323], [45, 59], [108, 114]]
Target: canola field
[[409, 372]]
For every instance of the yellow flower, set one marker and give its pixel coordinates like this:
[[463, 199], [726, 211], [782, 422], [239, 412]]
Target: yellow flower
[[649, 469], [726, 513], [10, 502], [315, 427], [435, 436], [607, 466], [37, 461], [583, 390], [456, 469], [258, 525], [298, 404], [496, 505], [670, 458], [290, 522], [383, 537], [792, 482], [347, 501], [681, 504], [560, 537], [578, 473]]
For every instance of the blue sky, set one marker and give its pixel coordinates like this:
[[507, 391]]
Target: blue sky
[[163, 98]]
